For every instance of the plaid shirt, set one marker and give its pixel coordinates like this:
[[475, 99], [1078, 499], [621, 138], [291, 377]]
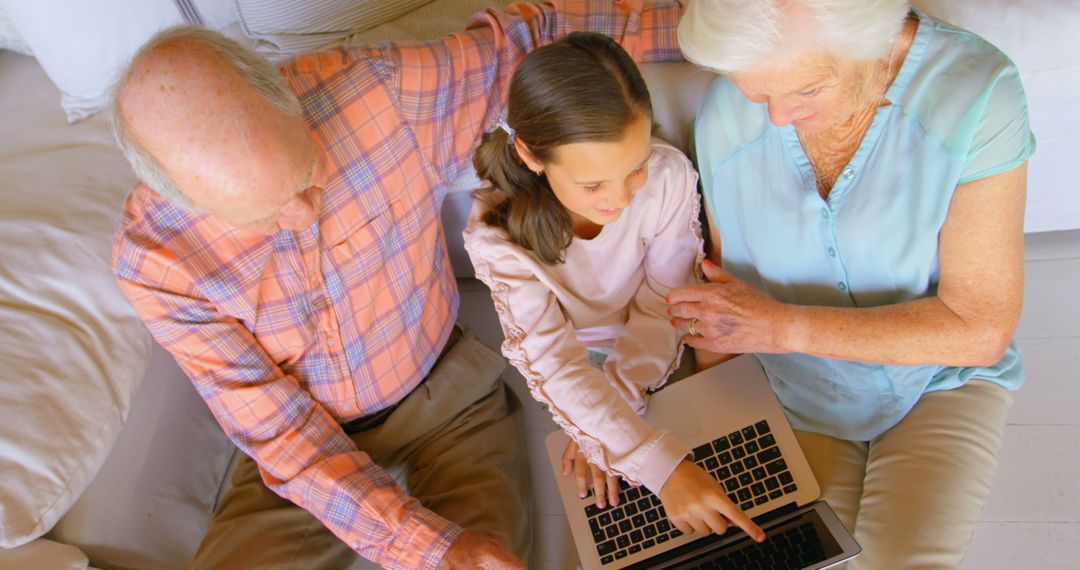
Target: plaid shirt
[[285, 336]]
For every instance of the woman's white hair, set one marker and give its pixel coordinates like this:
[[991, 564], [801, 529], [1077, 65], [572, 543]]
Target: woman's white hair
[[259, 73], [735, 35]]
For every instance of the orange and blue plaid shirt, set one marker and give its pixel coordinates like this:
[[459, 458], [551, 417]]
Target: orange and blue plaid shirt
[[285, 336]]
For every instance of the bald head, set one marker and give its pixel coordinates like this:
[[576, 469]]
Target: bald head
[[217, 123]]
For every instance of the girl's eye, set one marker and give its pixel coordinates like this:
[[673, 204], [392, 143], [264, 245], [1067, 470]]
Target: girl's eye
[[592, 188], [810, 92], [638, 171]]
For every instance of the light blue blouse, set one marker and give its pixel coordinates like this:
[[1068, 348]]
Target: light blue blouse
[[959, 114]]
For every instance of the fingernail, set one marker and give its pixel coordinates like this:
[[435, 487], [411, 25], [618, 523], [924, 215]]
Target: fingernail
[[672, 322], [667, 299], [707, 263], [669, 311]]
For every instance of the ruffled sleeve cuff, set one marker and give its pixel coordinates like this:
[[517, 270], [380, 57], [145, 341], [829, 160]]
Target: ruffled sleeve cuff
[[660, 461]]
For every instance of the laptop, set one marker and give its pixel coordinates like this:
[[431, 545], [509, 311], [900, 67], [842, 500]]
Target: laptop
[[730, 418]]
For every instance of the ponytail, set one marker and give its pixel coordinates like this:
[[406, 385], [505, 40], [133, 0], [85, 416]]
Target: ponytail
[[521, 201]]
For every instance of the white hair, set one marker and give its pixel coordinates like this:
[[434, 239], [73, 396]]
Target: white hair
[[259, 73], [736, 35]]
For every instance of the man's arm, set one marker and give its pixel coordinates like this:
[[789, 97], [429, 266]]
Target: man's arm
[[451, 90], [302, 452]]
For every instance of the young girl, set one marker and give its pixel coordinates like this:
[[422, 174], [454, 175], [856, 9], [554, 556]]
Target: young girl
[[587, 225]]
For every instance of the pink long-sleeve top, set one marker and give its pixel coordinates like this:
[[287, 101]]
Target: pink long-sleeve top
[[609, 293]]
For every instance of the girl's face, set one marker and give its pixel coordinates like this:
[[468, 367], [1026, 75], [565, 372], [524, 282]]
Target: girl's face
[[596, 180]]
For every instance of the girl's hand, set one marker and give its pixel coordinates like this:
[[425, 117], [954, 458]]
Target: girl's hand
[[732, 317], [605, 487], [695, 502]]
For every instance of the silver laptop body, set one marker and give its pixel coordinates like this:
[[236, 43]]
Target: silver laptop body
[[728, 415]]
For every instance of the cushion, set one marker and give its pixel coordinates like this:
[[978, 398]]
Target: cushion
[[72, 348], [84, 45], [150, 504], [285, 27]]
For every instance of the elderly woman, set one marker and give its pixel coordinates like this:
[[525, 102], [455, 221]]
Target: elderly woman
[[864, 171]]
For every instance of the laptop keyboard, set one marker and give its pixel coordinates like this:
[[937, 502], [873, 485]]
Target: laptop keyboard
[[746, 462], [793, 548]]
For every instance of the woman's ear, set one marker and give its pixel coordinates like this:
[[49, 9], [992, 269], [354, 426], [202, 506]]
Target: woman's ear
[[527, 156]]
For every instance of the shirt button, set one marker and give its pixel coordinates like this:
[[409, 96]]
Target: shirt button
[[841, 286], [825, 213], [832, 252], [849, 173], [330, 341]]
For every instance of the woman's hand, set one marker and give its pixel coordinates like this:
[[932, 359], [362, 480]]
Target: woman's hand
[[732, 317], [605, 487], [695, 502]]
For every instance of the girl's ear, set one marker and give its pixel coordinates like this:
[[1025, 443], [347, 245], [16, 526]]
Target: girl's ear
[[527, 156]]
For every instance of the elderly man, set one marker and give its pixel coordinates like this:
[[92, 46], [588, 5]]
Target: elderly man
[[285, 247]]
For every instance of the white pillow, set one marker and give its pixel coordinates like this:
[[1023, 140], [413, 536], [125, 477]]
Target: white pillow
[[83, 45], [282, 28], [72, 349], [10, 38], [1038, 35]]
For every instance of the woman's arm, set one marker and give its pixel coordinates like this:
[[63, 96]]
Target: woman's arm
[[969, 322]]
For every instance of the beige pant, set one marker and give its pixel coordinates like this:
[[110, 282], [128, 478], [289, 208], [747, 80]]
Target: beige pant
[[912, 496], [455, 443]]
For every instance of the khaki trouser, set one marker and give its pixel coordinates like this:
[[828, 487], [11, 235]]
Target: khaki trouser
[[455, 443], [913, 495]]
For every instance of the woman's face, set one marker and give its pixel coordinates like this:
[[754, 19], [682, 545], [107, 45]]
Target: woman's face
[[812, 92], [596, 180]]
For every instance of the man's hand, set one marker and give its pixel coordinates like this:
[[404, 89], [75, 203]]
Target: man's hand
[[695, 502], [473, 550], [605, 487]]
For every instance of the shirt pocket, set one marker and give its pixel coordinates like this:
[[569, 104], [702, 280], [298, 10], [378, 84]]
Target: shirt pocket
[[360, 264]]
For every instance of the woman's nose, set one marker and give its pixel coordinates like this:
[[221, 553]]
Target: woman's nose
[[781, 114]]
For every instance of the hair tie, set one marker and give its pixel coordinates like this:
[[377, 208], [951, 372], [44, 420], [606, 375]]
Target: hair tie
[[502, 124]]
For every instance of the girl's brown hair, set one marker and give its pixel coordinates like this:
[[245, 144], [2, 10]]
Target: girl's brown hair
[[582, 88]]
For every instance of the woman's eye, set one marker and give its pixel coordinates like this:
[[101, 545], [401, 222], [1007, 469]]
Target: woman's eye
[[638, 171], [592, 188], [810, 92]]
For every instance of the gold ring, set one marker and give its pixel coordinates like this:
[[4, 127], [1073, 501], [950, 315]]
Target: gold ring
[[692, 329]]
